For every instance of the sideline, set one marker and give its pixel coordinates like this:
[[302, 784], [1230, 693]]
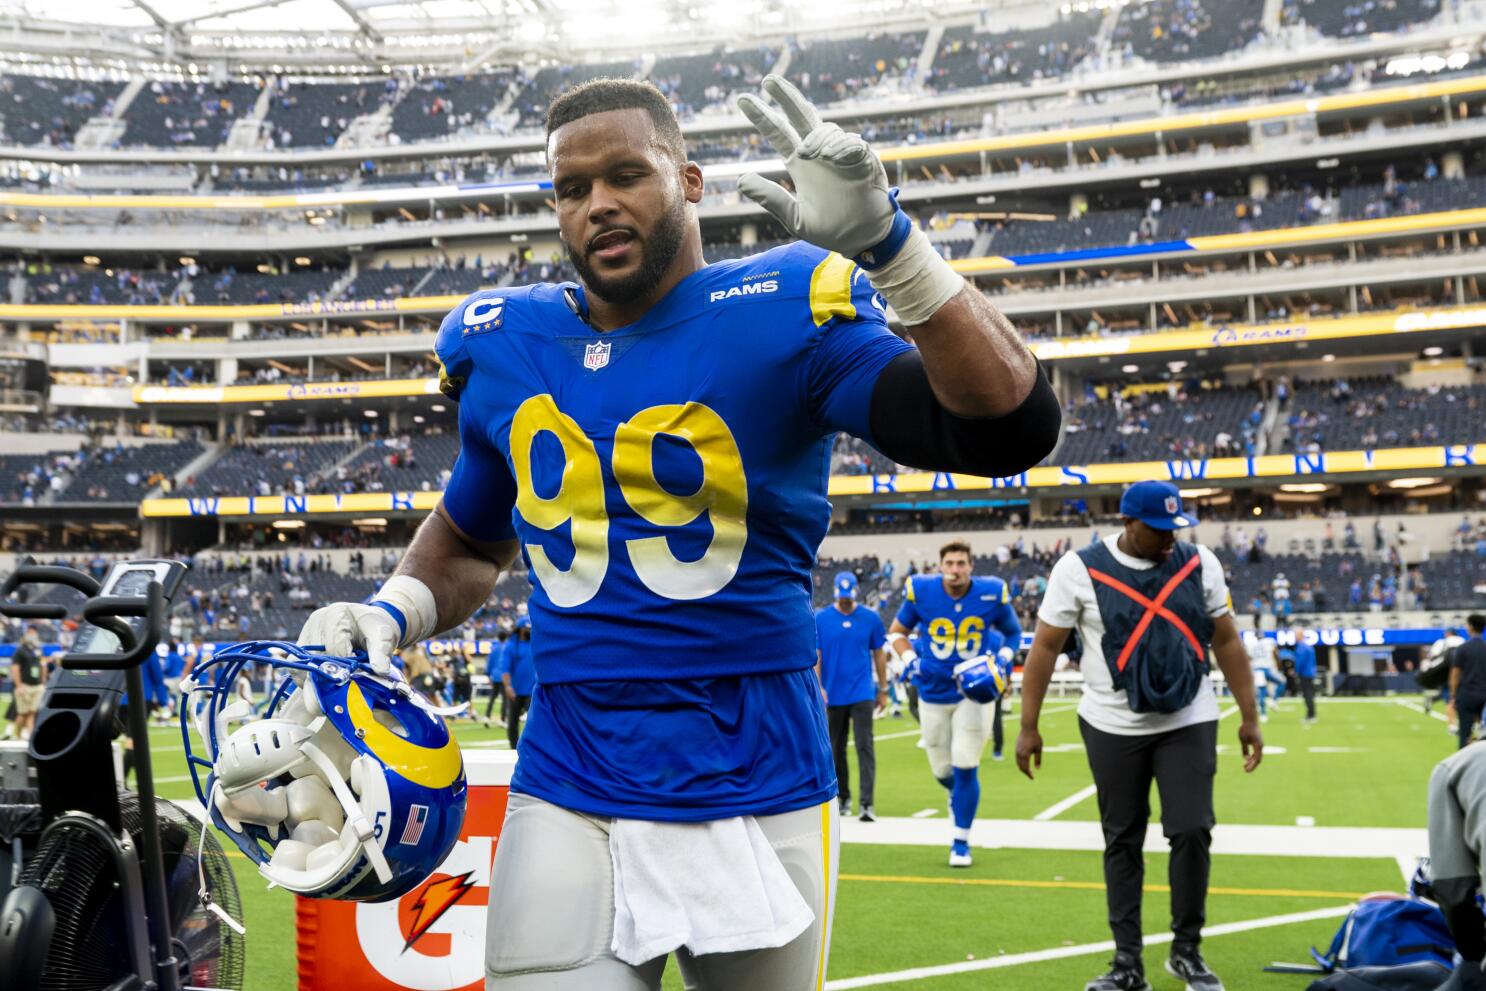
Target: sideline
[[1086, 949]]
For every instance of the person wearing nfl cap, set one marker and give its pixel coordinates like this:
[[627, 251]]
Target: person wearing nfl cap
[[1148, 608], [852, 666]]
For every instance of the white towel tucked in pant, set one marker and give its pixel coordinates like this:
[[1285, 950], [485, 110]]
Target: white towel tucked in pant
[[712, 887]]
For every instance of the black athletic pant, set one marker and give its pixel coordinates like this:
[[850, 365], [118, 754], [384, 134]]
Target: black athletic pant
[[1182, 762], [515, 709], [997, 736], [1308, 692], [857, 719], [1467, 715]]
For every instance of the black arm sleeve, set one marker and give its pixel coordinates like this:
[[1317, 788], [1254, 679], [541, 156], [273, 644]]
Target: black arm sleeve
[[912, 428]]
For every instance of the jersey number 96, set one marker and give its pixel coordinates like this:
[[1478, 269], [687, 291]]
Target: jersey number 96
[[966, 640], [723, 496]]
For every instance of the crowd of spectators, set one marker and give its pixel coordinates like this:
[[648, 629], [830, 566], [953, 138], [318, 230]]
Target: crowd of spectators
[[836, 69], [1366, 414], [696, 83], [48, 283], [100, 471], [1187, 30], [41, 111], [304, 114], [968, 57], [168, 114]]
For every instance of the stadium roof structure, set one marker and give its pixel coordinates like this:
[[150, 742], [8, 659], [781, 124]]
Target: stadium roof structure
[[365, 34]]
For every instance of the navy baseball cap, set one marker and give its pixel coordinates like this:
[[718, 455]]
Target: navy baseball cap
[[1156, 504], [846, 585]]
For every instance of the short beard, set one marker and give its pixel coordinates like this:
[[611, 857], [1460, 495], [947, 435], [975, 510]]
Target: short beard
[[658, 250]]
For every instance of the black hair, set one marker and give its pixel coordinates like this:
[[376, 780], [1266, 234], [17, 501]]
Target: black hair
[[599, 96], [1476, 622]]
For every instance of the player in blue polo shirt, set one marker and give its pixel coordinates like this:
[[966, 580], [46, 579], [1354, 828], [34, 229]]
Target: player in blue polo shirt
[[853, 677]]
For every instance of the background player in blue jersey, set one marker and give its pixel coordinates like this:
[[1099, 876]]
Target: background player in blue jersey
[[653, 442], [962, 617], [853, 676]]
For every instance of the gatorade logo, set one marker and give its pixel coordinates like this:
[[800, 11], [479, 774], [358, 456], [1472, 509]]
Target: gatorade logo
[[433, 938]]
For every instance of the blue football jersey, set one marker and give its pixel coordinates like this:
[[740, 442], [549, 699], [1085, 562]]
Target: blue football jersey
[[979, 622], [667, 484]]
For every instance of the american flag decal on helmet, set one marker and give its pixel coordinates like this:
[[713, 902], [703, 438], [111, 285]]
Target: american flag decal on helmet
[[412, 831]]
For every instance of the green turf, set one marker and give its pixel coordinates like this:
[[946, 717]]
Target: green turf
[[895, 910]]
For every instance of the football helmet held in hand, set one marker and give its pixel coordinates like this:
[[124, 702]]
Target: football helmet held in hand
[[347, 785]]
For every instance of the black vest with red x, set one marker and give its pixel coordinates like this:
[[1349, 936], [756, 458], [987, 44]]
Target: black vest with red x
[[1156, 626]]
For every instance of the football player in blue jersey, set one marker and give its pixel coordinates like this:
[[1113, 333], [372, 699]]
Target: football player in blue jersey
[[653, 441], [962, 617]]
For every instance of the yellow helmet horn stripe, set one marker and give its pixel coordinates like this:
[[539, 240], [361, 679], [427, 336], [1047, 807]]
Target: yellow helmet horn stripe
[[432, 768]]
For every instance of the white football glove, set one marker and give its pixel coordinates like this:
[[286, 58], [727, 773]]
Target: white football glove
[[342, 627], [842, 203]]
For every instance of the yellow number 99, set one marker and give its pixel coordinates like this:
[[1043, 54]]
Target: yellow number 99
[[723, 495], [580, 498]]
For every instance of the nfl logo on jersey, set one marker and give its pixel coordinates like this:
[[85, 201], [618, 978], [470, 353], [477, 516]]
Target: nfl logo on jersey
[[596, 356]]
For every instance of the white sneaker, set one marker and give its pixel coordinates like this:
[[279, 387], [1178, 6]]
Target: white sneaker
[[1264, 717], [959, 854]]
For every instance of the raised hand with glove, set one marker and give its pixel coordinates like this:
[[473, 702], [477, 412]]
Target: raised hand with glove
[[403, 612], [842, 202]]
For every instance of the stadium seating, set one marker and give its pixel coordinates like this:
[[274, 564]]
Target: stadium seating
[[269, 467], [438, 106], [542, 88], [186, 115], [385, 283], [1368, 413], [968, 57], [1354, 18], [97, 286], [41, 111], [1153, 426], [829, 71], [695, 83], [1186, 30], [126, 474], [1144, 426], [409, 463], [257, 287], [313, 115], [461, 281]]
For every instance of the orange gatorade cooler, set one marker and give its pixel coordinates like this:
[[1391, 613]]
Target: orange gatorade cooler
[[432, 938]]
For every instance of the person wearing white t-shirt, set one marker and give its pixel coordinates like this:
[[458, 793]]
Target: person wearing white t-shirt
[[1264, 662], [1147, 609]]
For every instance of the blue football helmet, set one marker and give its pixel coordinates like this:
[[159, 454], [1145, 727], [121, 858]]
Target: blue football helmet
[[985, 678], [347, 785]]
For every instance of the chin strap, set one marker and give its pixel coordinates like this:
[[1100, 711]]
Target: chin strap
[[355, 817], [202, 893]]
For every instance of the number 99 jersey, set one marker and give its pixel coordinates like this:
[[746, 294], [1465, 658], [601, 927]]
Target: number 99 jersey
[[956, 629], [666, 480]]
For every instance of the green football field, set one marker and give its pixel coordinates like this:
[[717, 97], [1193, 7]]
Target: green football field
[[1343, 800]]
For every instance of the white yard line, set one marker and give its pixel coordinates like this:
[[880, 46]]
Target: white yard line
[[1086, 949], [1226, 713], [897, 736], [1414, 706], [1058, 808], [925, 813], [1051, 834]]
